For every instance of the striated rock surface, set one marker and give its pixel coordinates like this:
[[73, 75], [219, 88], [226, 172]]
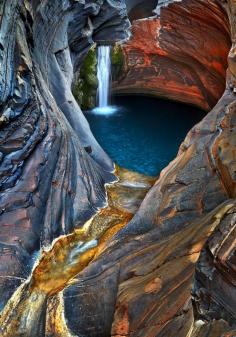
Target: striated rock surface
[[150, 263], [142, 282], [179, 55], [215, 280], [170, 270], [52, 170]]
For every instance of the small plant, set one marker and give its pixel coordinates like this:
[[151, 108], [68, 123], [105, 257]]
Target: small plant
[[85, 89], [117, 61]]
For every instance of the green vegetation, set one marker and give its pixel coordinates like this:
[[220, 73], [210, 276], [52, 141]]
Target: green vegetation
[[117, 61], [86, 87]]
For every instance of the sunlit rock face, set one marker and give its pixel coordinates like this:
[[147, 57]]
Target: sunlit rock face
[[180, 55], [52, 170]]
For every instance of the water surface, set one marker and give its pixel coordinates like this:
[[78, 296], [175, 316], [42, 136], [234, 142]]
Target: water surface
[[143, 134]]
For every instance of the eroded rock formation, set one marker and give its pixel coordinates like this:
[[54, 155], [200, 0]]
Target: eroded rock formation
[[141, 281], [179, 55], [52, 171], [147, 288], [142, 9], [151, 281]]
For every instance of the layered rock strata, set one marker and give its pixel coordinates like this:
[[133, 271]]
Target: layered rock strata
[[144, 277], [180, 54], [52, 170], [139, 281], [149, 265]]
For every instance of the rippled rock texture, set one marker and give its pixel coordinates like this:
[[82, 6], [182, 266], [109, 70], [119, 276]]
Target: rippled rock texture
[[170, 270], [144, 281], [52, 171], [179, 55]]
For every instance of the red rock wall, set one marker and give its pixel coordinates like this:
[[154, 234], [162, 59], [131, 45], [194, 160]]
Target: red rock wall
[[141, 283], [178, 56]]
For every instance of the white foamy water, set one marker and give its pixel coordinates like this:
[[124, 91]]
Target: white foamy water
[[103, 74], [106, 111]]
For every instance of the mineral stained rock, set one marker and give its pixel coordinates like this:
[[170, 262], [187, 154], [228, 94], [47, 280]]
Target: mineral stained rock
[[49, 184], [170, 271], [142, 283], [179, 55]]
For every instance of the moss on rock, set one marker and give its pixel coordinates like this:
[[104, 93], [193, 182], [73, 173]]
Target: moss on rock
[[85, 89], [117, 61]]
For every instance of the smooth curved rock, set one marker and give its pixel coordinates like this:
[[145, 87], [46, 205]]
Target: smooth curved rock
[[179, 55], [141, 283], [142, 9], [49, 184], [150, 264]]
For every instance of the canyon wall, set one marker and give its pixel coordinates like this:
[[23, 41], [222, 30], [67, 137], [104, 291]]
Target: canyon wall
[[144, 283], [170, 271], [52, 170], [179, 55]]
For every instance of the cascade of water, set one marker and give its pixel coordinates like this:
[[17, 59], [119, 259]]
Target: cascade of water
[[103, 74]]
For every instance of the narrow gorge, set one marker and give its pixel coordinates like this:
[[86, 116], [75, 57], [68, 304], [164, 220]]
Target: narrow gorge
[[123, 224]]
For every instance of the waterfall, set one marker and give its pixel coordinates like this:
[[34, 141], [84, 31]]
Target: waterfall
[[104, 77], [103, 74]]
